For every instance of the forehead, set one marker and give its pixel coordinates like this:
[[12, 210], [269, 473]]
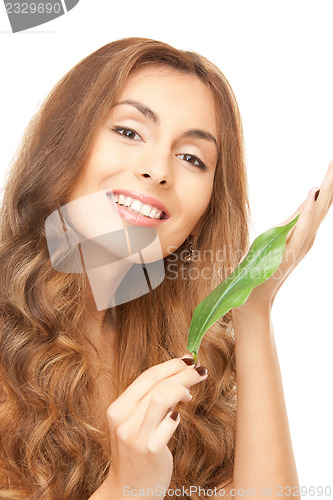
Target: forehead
[[172, 93]]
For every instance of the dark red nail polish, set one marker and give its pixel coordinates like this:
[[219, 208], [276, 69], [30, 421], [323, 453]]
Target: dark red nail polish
[[174, 415], [317, 194], [188, 361], [201, 370]]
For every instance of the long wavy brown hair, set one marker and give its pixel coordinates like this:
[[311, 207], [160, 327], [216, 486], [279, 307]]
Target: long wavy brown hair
[[51, 446]]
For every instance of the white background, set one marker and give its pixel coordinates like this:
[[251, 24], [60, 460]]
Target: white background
[[278, 59]]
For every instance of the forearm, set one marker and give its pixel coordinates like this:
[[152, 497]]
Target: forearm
[[263, 456]]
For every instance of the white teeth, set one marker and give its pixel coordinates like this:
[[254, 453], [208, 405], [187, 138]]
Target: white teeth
[[153, 212], [136, 206], [145, 210]]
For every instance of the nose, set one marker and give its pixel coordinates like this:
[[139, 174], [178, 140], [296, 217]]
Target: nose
[[155, 173]]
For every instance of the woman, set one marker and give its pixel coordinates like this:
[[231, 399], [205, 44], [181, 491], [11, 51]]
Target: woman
[[89, 394]]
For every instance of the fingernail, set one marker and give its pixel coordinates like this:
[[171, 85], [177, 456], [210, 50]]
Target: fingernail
[[174, 415], [316, 194], [188, 361], [201, 370]]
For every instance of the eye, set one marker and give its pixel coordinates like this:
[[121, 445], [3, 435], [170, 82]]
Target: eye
[[127, 133], [194, 160]]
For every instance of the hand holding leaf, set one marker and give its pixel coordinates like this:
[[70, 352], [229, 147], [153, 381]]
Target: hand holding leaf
[[262, 260], [271, 258]]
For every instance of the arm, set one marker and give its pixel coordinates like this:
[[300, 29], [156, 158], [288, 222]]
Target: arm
[[263, 456]]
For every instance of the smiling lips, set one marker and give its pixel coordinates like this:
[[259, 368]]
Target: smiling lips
[[140, 204], [138, 208]]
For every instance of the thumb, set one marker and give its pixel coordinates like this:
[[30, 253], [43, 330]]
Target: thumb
[[289, 219]]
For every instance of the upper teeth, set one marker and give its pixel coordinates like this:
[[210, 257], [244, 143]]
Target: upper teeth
[[136, 205]]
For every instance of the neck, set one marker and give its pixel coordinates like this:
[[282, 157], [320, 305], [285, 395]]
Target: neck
[[102, 284]]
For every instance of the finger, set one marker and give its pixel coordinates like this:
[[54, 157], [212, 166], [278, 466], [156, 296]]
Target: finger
[[152, 413], [320, 208], [325, 198], [310, 244], [290, 218], [126, 403], [326, 188], [152, 409], [149, 378], [303, 225], [159, 440]]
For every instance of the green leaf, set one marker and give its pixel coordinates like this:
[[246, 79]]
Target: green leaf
[[262, 260]]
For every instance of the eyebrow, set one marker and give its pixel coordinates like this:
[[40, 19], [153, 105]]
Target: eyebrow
[[147, 112], [151, 115]]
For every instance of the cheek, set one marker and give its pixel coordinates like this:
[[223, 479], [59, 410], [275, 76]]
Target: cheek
[[196, 204], [101, 157], [104, 161]]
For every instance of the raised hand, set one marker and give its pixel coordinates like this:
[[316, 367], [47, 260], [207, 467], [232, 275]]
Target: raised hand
[[141, 426], [299, 241]]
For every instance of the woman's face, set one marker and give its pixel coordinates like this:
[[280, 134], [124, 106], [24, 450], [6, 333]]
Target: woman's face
[[159, 141]]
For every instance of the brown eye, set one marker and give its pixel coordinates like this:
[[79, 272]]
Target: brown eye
[[127, 132], [194, 160]]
